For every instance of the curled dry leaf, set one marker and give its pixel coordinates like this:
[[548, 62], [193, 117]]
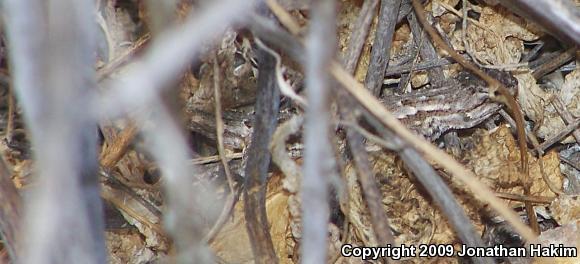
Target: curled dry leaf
[[498, 36], [535, 103], [566, 209]]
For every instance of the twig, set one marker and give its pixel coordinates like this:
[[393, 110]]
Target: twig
[[232, 197], [427, 50], [210, 159], [561, 135], [53, 80], [575, 165], [554, 63], [318, 156], [285, 88], [115, 149], [113, 65], [521, 198], [258, 160], [566, 116], [381, 51], [359, 34], [11, 111]]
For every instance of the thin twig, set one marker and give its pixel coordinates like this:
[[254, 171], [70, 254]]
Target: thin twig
[[522, 198], [554, 63], [427, 50], [566, 116], [359, 34], [231, 199], [561, 135], [381, 51], [11, 111], [115, 150]]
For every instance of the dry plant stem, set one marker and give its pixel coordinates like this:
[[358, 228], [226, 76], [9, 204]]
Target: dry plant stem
[[53, 66], [560, 18], [539, 151], [117, 184], [497, 92], [10, 212], [231, 200], [566, 116], [554, 63], [532, 199], [318, 155], [574, 165], [10, 121], [270, 33], [561, 135], [381, 51], [113, 65], [258, 160], [427, 51], [359, 34], [121, 204], [210, 159], [115, 149]]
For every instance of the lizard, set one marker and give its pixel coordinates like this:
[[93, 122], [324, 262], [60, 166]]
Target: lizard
[[461, 104]]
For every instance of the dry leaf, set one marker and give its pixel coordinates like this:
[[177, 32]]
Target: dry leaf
[[495, 159], [566, 209], [232, 243], [535, 103]]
